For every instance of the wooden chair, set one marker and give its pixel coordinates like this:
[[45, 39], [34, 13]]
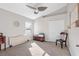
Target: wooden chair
[[62, 40], [2, 41]]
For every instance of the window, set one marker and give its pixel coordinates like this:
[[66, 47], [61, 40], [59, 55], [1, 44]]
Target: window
[[28, 25], [28, 28]]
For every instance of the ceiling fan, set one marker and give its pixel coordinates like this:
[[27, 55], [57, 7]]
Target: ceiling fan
[[37, 9]]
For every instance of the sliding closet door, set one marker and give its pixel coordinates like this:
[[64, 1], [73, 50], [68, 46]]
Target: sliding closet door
[[55, 27]]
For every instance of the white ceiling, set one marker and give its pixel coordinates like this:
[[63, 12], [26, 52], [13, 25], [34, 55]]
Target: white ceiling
[[22, 9]]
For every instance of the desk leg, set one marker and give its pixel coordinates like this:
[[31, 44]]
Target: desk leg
[[0, 46]]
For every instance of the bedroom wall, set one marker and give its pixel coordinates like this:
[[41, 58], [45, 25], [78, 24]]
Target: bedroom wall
[[7, 25], [42, 24]]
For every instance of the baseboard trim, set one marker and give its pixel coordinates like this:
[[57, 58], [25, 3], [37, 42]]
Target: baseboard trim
[[69, 51]]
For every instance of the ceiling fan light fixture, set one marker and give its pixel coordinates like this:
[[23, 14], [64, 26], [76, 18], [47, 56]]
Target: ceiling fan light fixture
[[36, 11]]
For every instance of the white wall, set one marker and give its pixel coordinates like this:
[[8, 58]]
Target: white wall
[[42, 24], [73, 31], [7, 20]]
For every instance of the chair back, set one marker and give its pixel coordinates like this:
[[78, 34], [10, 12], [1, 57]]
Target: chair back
[[2, 38], [64, 36]]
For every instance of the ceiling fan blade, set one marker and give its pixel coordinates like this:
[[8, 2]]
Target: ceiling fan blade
[[31, 7], [63, 10], [42, 8]]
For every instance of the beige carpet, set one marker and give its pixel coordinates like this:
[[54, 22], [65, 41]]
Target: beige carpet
[[36, 48]]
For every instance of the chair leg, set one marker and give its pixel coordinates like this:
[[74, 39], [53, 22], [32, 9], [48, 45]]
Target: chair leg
[[65, 44], [0, 46], [56, 42], [61, 44]]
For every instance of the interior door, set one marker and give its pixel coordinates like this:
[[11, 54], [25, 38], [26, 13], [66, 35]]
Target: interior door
[[55, 27]]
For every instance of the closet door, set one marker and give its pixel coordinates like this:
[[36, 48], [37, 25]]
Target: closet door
[[55, 27]]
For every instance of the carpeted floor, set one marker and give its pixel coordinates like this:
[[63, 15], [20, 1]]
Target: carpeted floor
[[36, 48]]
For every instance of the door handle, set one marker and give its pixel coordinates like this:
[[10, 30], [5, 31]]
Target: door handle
[[77, 45]]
